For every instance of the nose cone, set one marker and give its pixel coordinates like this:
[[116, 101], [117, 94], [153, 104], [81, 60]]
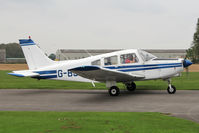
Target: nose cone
[[187, 63]]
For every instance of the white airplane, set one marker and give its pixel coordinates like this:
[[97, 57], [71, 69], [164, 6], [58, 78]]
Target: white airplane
[[125, 66]]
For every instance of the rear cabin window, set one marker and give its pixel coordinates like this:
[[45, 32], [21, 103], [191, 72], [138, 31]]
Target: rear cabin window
[[97, 63], [128, 58], [110, 60]]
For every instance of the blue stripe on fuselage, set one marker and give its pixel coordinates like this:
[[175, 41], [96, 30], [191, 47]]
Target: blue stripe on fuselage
[[149, 68], [46, 72], [47, 77], [149, 65]]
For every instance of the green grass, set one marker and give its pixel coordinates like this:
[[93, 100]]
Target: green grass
[[93, 122], [8, 82]]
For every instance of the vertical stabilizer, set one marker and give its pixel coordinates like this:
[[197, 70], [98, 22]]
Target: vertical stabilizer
[[35, 58]]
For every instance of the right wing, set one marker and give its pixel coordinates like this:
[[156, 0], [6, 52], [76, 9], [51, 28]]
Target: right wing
[[104, 74]]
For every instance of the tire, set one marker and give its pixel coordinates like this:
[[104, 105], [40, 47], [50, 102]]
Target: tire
[[114, 91], [131, 86], [171, 90]]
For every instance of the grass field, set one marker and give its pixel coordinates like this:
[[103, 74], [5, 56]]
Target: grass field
[[93, 122], [8, 82]]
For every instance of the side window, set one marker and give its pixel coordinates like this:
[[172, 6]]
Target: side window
[[97, 63], [110, 60], [128, 58]]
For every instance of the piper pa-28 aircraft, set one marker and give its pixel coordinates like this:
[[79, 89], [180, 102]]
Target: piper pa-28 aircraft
[[125, 66]]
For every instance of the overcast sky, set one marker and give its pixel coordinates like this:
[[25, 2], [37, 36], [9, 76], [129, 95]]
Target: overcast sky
[[100, 24]]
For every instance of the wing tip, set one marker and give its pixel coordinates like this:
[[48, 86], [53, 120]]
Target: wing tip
[[15, 74]]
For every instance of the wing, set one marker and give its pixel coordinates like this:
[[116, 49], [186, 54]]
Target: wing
[[104, 74], [25, 73]]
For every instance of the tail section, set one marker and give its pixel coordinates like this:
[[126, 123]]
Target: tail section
[[35, 58]]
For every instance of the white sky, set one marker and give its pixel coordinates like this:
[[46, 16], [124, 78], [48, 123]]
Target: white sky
[[100, 24]]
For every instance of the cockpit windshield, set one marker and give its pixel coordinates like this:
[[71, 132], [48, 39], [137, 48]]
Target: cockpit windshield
[[146, 56]]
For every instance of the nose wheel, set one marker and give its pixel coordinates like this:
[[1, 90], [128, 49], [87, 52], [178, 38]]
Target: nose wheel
[[114, 91], [171, 88]]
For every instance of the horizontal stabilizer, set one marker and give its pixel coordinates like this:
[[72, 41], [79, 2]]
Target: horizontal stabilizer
[[25, 73]]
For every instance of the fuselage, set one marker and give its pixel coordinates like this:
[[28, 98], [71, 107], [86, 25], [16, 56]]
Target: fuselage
[[144, 64]]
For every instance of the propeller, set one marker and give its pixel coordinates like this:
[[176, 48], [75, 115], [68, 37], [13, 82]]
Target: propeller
[[186, 64], [187, 71]]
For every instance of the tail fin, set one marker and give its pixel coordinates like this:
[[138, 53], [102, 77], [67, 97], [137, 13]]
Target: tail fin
[[35, 58]]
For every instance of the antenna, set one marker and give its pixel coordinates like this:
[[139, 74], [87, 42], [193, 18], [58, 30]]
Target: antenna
[[88, 52], [62, 54]]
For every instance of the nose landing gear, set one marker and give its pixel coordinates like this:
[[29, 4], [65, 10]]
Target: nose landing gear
[[171, 88]]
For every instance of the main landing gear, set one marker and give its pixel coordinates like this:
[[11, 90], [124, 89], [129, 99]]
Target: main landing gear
[[171, 88], [115, 91], [130, 86]]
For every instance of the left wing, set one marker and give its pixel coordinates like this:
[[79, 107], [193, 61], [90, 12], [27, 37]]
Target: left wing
[[103, 74]]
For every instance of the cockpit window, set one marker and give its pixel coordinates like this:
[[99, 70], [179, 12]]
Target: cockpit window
[[146, 56], [128, 58], [110, 60], [97, 63]]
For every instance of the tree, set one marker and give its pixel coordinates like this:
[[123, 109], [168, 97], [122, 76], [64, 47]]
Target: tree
[[52, 56], [193, 51], [13, 50]]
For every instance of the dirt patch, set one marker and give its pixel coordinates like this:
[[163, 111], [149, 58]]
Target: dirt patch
[[12, 67], [194, 68]]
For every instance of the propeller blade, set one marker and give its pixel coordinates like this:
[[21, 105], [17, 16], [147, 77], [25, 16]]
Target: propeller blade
[[187, 72], [186, 64]]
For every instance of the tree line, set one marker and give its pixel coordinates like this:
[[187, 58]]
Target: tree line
[[193, 51], [14, 50]]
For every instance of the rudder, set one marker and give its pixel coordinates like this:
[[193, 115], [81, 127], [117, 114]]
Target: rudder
[[35, 57]]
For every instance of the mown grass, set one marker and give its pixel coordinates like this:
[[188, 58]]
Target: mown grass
[[93, 122], [10, 82]]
